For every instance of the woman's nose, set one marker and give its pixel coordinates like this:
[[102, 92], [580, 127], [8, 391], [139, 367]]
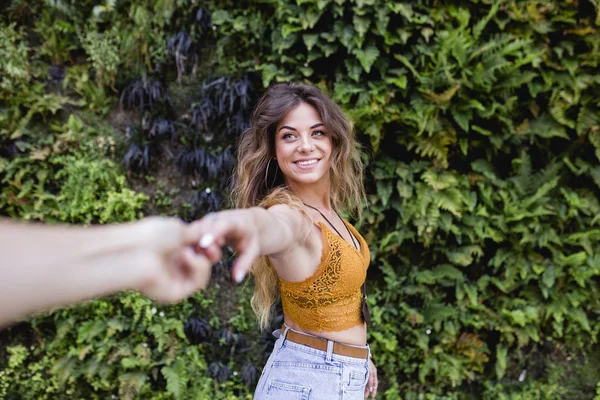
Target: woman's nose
[[306, 144]]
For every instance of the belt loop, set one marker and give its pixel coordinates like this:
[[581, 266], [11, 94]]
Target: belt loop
[[329, 350], [284, 331]]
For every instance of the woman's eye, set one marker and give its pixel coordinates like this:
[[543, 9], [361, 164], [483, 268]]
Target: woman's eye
[[287, 136], [319, 133]]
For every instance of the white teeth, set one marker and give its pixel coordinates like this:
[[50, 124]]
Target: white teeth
[[309, 162]]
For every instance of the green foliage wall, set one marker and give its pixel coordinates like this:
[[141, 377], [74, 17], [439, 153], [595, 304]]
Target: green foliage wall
[[480, 121]]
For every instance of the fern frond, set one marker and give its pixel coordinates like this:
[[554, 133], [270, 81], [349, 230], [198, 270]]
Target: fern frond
[[435, 146], [587, 120], [464, 255], [439, 274], [540, 192], [492, 46], [65, 369], [177, 379], [548, 174], [130, 384], [439, 181], [524, 180]]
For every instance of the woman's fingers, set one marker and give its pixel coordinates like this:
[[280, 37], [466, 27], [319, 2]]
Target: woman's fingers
[[213, 252], [371, 389], [212, 232], [200, 235], [244, 261], [374, 385]]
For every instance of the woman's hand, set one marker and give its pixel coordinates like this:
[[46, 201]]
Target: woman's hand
[[371, 388], [236, 228], [172, 270]]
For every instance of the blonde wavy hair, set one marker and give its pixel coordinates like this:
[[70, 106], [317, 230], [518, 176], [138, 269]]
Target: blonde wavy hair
[[257, 180]]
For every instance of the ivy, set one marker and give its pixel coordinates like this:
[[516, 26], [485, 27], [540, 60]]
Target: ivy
[[480, 122]]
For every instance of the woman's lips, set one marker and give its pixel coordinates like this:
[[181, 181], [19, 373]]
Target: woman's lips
[[307, 164]]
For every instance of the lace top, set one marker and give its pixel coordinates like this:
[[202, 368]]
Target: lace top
[[330, 300]]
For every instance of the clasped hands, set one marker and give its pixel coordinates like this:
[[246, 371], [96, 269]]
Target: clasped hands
[[231, 228], [177, 257]]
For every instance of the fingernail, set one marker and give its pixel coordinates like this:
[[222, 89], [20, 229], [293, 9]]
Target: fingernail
[[239, 276], [206, 240]]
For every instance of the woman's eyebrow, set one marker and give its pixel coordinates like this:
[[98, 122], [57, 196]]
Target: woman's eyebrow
[[293, 129]]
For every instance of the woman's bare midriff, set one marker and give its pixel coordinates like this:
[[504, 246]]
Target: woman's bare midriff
[[356, 335]]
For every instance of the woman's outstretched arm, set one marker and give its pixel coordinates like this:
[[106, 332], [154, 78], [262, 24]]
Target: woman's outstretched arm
[[47, 266], [252, 232]]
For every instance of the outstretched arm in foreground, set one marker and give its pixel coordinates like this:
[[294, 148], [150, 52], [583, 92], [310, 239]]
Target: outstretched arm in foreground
[[47, 266]]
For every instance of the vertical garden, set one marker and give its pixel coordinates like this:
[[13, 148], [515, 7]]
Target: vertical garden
[[480, 126]]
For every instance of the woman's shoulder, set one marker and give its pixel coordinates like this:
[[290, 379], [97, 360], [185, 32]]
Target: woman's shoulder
[[281, 196]]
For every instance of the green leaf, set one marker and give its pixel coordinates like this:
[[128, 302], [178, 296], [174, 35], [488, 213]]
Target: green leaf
[[442, 272], [546, 127], [549, 276], [129, 362], [408, 65], [367, 56], [354, 69], [501, 353], [437, 312], [471, 293], [384, 191], [404, 189], [219, 17], [269, 72], [177, 379], [400, 82], [309, 19], [130, 384], [462, 118], [361, 24], [404, 9], [517, 316], [587, 120], [310, 39], [463, 256], [573, 260], [579, 316]]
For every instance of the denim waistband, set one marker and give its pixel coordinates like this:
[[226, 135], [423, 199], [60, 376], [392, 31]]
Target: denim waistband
[[327, 354]]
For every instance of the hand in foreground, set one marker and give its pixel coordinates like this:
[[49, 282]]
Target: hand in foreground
[[371, 388], [172, 269], [232, 228]]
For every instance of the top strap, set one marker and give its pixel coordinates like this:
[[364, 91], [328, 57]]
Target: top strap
[[334, 228]]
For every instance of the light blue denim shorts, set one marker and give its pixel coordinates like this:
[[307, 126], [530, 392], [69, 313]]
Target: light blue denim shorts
[[298, 372]]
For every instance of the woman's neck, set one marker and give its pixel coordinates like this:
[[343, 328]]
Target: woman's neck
[[317, 195]]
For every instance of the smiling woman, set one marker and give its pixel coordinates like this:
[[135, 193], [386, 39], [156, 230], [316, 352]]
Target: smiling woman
[[297, 165], [303, 148]]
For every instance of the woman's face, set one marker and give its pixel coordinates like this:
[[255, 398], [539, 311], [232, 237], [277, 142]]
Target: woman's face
[[303, 146]]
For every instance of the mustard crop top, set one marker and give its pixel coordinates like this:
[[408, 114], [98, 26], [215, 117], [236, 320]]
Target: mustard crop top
[[330, 300]]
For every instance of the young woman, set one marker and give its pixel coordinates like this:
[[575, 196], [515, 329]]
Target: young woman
[[297, 165]]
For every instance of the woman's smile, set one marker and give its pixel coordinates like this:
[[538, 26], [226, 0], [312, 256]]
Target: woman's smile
[[307, 163]]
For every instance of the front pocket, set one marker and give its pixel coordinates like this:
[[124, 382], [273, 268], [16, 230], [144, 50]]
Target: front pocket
[[357, 379], [281, 390]]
